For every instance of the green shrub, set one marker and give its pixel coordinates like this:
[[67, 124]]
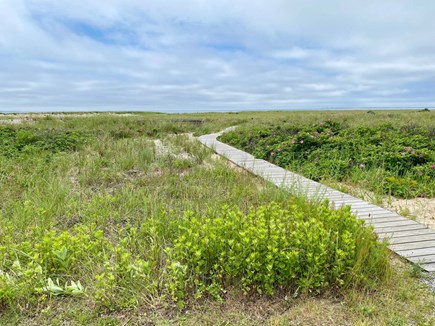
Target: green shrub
[[14, 141], [27, 269], [272, 248], [330, 150]]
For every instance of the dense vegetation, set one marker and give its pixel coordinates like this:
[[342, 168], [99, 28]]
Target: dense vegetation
[[112, 219], [387, 158], [16, 141]]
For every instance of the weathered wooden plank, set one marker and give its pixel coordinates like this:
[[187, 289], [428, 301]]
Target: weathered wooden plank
[[223, 149], [375, 217], [286, 183], [343, 205], [283, 183], [364, 206], [399, 228], [372, 218], [383, 216], [337, 206], [295, 182], [417, 252], [277, 183], [240, 162], [242, 159], [385, 220], [404, 234], [265, 164], [350, 196], [259, 163], [287, 176], [256, 161], [314, 188], [413, 238], [428, 259], [268, 171], [387, 224], [370, 211], [392, 224], [267, 174], [291, 180], [229, 150], [334, 192], [413, 245], [236, 155], [374, 212], [337, 202], [428, 267]]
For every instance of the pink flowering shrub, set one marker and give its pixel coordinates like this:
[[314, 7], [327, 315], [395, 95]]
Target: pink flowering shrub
[[389, 159]]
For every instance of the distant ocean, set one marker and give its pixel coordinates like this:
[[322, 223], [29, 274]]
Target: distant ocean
[[178, 111]]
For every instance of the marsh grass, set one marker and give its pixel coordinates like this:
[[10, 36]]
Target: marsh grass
[[105, 212]]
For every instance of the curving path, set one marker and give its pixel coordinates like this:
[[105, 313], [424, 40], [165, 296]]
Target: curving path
[[407, 238]]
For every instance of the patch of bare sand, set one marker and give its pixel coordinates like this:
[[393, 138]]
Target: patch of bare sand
[[16, 121], [165, 149], [420, 209]]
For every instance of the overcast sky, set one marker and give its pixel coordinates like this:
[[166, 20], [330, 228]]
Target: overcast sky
[[199, 55]]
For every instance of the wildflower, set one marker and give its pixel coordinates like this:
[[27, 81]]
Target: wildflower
[[279, 150], [272, 154], [362, 166], [433, 166], [302, 141], [293, 141], [322, 124]]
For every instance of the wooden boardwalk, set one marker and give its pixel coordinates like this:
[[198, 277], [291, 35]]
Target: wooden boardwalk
[[407, 238]]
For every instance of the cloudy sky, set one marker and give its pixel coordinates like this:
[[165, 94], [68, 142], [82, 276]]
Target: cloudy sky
[[206, 55]]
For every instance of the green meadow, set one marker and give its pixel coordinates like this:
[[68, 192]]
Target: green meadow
[[126, 219]]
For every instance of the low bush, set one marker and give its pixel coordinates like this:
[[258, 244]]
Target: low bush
[[404, 156], [14, 141], [299, 249]]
